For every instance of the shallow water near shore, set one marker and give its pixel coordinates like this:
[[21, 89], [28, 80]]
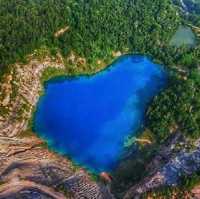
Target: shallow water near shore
[[88, 118]]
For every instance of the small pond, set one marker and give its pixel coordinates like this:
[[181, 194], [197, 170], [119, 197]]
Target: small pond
[[88, 118], [183, 36]]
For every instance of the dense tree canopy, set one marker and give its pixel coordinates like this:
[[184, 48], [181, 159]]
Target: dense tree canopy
[[178, 106], [96, 28]]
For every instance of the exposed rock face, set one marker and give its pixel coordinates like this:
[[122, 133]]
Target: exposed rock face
[[26, 84], [28, 170], [39, 171], [167, 167], [81, 186], [61, 31], [188, 6], [196, 192], [116, 54]]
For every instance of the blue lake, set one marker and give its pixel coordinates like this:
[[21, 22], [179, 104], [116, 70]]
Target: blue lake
[[88, 117]]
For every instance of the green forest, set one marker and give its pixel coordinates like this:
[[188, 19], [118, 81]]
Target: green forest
[[96, 28]]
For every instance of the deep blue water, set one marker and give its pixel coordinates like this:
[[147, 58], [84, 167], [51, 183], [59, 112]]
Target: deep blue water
[[89, 117]]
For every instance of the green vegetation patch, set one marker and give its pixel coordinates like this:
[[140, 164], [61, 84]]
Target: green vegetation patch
[[96, 28], [178, 105]]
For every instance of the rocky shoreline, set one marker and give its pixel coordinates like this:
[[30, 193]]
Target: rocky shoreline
[[30, 170], [169, 165], [24, 80], [27, 169]]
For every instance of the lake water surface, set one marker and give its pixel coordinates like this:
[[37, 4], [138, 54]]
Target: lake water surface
[[183, 36], [88, 117]]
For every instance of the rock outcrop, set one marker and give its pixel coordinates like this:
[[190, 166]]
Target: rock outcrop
[[24, 84], [168, 166], [27, 168]]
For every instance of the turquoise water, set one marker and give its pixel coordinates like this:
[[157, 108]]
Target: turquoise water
[[89, 117], [183, 36]]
